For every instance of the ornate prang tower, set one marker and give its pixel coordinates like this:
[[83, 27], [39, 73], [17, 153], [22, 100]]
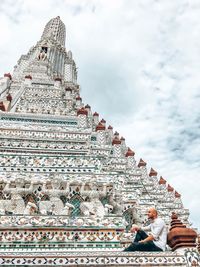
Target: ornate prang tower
[[68, 183]]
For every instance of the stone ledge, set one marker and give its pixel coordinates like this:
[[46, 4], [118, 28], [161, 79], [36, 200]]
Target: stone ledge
[[94, 258]]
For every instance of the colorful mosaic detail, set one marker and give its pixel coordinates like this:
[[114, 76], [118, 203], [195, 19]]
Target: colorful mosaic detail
[[94, 259]]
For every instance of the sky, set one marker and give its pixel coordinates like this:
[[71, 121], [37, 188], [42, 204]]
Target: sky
[[138, 67]]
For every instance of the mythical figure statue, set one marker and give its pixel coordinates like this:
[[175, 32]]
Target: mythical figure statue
[[115, 200], [42, 55], [94, 205], [16, 204], [55, 204]]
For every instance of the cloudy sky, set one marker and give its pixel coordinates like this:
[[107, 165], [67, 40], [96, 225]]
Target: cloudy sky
[[139, 64]]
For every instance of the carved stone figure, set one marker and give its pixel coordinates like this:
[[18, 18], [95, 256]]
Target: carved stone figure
[[42, 55], [55, 204], [93, 206], [116, 202], [16, 204]]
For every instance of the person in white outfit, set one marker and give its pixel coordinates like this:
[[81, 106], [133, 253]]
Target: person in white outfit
[[156, 240]]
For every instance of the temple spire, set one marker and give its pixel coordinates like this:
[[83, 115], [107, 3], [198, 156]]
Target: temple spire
[[55, 28]]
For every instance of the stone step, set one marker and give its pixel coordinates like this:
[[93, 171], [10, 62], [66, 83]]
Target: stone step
[[95, 258]]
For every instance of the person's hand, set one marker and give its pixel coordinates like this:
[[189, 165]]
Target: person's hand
[[134, 228]]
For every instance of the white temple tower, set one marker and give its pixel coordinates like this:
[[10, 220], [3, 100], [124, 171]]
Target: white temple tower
[[67, 183]]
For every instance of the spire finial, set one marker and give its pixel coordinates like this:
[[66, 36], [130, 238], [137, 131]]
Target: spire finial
[[55, 28]]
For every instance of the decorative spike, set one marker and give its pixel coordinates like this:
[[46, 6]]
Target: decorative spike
[[100, 127], [142, 163], [177, 195], [129, 153], [96, 114], [152, 173], [103, 121], [110, 127], [87, 106], [116, 141], [162, 180], [170, 188], [82, 111]]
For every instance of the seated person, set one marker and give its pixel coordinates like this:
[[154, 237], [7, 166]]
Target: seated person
[[156, 240]]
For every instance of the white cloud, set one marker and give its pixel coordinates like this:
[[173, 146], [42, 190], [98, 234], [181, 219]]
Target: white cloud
[[138, 67]]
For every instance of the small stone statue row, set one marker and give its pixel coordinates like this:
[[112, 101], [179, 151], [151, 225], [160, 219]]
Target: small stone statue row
[[16, 204], [92, 207]]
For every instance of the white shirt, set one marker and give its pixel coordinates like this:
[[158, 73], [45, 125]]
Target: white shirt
[[159, 232]]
